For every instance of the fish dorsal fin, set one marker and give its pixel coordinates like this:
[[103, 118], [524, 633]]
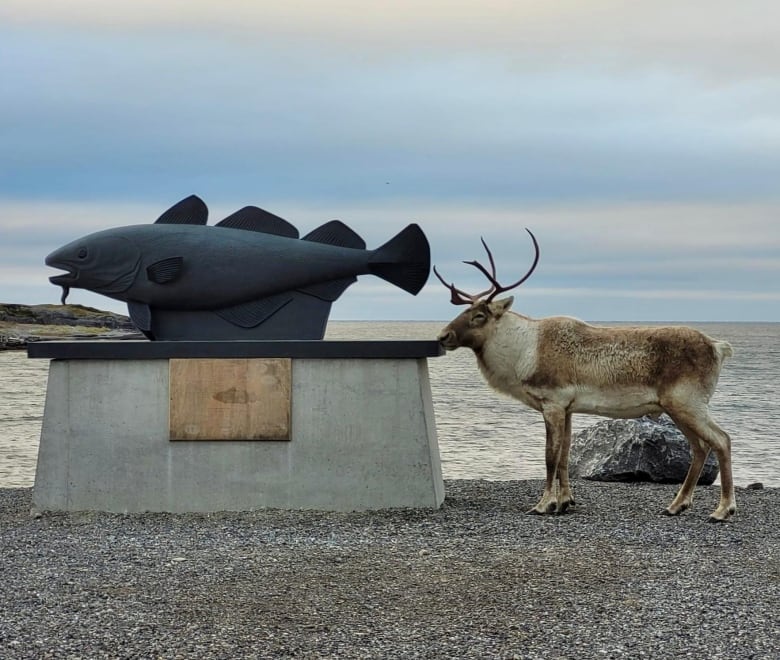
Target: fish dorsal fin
[[252, 314], [329, 291], [191, 210], [165, 270], [252, 218], [336, 232]]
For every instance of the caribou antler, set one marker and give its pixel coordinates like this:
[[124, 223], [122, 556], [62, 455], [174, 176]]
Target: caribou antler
[[459, 297]]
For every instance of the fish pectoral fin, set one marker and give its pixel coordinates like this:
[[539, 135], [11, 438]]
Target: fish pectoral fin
[[329, 291], [191, 210], [336, 232], [165, 270], [252, 314], [252, 218], [140, 315]]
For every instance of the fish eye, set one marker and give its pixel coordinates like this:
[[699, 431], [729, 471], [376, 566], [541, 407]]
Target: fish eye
[[82, 253]]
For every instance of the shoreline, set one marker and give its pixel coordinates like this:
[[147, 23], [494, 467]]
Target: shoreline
[[475, 578], [22, 324]]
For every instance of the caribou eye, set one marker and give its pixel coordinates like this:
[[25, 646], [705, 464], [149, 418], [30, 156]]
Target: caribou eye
[[478, 318], [83, 253]]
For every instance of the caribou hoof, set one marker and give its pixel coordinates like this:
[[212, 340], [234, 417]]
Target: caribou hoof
[[675, 510], [720, 516], [565, 507], [543, 510], [714, 519]]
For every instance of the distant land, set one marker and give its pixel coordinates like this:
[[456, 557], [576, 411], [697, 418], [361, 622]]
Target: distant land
[[21, 324]]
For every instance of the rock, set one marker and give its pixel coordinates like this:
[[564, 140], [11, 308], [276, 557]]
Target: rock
[[76, 315], [756, 486], [21, 324], [635, 450]]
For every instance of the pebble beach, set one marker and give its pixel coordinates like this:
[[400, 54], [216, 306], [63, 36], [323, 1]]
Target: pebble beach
[[477, 578]]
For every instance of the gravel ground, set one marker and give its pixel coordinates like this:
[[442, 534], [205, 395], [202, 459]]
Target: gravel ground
[[475, 579]]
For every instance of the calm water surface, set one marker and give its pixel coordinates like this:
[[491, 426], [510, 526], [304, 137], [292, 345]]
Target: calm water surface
[[482, 435]]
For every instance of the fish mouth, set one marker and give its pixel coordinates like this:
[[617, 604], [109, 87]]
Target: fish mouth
[[65, 279]]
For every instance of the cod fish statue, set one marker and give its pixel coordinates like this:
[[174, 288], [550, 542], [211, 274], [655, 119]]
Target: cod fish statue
[[248, 277]]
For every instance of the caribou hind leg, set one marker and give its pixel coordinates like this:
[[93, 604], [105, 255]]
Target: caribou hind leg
[[728, 503], [684, 497], [704, 435]]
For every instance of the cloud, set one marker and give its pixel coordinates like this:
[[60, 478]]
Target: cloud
[[639, 141], [163, 100], [628, 262], [719, 36]]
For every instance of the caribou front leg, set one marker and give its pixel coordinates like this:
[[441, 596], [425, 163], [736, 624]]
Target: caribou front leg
[[565, 497], [555, 430]]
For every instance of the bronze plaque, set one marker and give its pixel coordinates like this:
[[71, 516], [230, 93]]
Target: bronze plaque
[[230, 399]]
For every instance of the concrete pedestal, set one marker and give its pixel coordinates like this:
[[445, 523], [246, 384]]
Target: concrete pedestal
[[362, 434]]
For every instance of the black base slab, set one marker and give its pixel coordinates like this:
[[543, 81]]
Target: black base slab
[[159, 350]]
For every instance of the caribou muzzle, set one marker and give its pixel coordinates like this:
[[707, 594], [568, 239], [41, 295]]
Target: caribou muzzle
[[448, 339]]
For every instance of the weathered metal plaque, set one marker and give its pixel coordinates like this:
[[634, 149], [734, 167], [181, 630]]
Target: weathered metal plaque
[[230, 399]]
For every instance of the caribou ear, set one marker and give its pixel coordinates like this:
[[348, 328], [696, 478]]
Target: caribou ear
[[498, 307]]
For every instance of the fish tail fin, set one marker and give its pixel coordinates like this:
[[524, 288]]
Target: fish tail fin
[[405, 260]]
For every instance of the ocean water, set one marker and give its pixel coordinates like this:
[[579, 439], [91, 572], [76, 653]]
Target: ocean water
[[482, 435]]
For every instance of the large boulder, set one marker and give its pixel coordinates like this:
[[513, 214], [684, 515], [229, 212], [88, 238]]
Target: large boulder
[[642, 449]]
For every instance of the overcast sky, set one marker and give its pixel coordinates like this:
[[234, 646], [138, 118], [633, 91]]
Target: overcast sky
[[639, 141]]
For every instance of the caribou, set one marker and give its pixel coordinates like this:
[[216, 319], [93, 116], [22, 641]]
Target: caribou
[[560, 366]]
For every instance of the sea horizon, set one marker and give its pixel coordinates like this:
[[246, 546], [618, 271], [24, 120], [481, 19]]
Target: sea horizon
[[482, 434]]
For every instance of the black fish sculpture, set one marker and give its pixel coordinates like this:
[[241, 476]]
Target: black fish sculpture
[[247, 277]]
